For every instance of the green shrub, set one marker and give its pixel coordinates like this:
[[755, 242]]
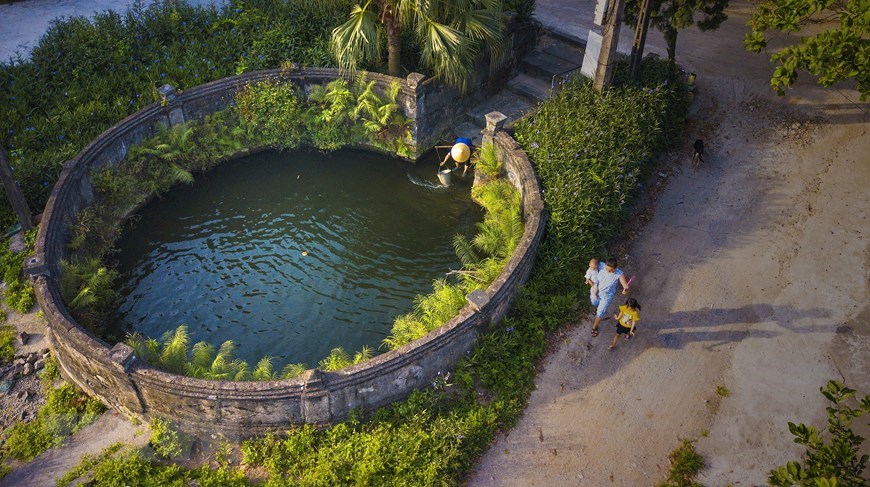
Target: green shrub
[[18, 293], [590, 152], [165, 440], [273, 111], [486, 161], [7, 343], [830, 462]]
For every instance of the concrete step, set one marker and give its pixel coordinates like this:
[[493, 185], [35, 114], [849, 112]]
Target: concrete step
[[562, 50], [531, 87], [504, 101], [544, 65]]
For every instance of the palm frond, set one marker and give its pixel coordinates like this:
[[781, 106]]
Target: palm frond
[[358, 39], [175, 346], [263, 370], [465, 251], [292, 370]]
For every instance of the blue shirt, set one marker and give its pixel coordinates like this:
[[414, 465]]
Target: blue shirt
[[607, 280]]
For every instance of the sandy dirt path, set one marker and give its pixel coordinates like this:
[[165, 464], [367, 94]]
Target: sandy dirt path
[[753, 275]]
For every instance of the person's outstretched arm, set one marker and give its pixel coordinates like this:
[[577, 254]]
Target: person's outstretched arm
[[624, 282]]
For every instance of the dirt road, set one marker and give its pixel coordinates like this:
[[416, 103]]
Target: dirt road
[[753, 275]]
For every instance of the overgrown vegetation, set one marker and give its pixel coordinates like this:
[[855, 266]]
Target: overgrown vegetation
[[483, 259], [832, 461], [66, 410], [87, 74], [686, 464], [165, 440], [7, 343], [18, 293], [434, 436], [266, 114]]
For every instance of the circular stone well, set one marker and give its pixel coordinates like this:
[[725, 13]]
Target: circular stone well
[[112, 372]]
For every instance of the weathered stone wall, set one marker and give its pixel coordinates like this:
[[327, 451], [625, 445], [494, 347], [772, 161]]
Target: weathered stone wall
[[240, 409]]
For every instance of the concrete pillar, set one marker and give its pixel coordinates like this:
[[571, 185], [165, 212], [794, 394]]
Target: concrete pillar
[[609, 42]]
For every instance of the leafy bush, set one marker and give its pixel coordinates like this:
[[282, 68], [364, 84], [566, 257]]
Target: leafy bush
[[591, 151], [65, 411], [273, 111], [87, 74], [166, 441], [18, 292], [486, 161], [833, 462]]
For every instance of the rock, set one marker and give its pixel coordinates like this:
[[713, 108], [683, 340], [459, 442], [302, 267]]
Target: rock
[[23, 415], [19, 361], [32, 358], [39, 364], [6, 386], [28, 369], [46, 356], [45, 351], [23, 338]]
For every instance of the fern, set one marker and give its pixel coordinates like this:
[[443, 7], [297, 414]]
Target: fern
[[201, 360], [173, 357], [362, 355], [337, 359], [465, 251], [147, 349], [263, 370], [292, 370], [486, 160]]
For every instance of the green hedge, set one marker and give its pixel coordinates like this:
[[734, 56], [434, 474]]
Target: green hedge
[[435, 436], [87, 74]]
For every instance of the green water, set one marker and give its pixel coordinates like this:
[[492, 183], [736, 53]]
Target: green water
[[292, 254]]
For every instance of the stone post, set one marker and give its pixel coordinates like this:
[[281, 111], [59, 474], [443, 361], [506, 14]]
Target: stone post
[[415, 108], [169, 99], [494, 122]]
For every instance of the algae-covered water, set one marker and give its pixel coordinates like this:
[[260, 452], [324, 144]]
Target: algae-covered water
[[291, 254]]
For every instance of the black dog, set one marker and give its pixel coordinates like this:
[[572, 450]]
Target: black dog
[[699, 152]]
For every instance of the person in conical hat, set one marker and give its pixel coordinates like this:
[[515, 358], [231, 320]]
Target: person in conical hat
[[460, 153]]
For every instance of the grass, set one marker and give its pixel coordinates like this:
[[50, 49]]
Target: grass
[[722, 391], [685, 463], [7, 343]]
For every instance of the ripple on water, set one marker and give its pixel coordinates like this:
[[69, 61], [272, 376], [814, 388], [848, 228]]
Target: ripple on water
[[292, 254]]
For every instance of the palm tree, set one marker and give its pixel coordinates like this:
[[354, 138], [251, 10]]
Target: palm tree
[[451, 34]]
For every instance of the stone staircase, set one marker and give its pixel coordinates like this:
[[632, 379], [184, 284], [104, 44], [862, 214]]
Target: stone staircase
[[532, 83]]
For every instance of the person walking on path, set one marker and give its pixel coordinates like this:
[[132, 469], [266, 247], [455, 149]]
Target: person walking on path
[[626, 320], [608, 275]]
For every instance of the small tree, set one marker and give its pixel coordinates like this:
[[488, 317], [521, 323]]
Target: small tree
[[450, 33], [836, 54], [828, 464], [668, 16]]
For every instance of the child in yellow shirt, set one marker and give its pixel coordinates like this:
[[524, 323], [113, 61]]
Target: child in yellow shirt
[[626, 320]]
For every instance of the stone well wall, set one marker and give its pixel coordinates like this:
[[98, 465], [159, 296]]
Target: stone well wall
[[240, 409]]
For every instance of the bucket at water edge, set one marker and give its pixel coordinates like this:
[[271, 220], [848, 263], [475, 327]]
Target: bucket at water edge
[[444, 176]]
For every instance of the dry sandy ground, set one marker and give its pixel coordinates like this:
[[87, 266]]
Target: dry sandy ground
[[753, 275]]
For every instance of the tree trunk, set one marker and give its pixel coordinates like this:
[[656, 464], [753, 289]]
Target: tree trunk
[[13, 192], [671, 39], [640, 31], [394, 43]]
